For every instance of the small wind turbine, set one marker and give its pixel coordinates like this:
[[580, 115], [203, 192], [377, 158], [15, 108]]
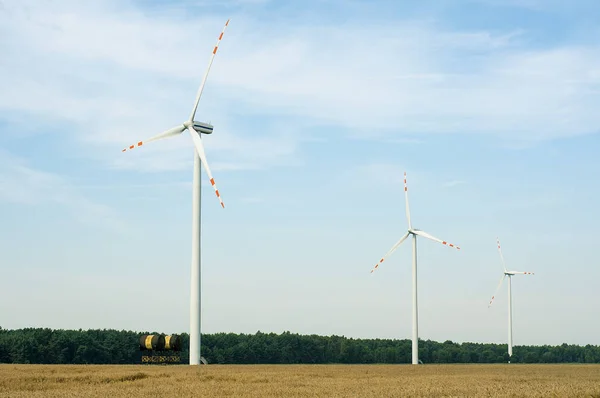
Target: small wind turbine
[[414, 232], [195, 129], [510, 275]]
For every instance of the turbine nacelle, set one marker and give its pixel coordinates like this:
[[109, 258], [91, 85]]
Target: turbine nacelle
[[203, 128], [511, 273], [200, 127]]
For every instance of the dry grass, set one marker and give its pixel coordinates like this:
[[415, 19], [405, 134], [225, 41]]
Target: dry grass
[[300, 381]]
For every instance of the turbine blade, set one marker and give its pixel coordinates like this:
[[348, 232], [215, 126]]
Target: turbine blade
[[212, 57], [406, 201], [200, 149], [428, 236], [165, 134], [496, 292], [522, 273], [500, 251], [393, 249]]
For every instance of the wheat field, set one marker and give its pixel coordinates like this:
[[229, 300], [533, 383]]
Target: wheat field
[[115, 381]]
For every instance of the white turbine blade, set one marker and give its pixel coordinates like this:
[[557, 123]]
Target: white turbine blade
[[212, 57], [391, 251], [496, 292], [200, 149], [165, 134], [500, 251], [406, 202], [428, 236]]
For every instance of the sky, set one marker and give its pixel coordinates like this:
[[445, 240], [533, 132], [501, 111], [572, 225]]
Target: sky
[[318, 108]]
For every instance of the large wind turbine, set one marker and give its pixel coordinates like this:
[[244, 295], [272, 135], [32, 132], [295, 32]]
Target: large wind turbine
[[510, 275], [414, 232], [195, 129]]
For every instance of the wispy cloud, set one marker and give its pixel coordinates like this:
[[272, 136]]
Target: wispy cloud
[[158, 185], [25, 185], [402, 140], [383, 173], [109, 73], [453, 183], [252, 199], [529, 4]]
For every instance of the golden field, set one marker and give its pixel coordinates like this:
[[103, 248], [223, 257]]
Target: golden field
[[115, 381]]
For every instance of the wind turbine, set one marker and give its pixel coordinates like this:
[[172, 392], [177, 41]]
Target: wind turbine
[[195, 129], [510, 275], [414, 232]]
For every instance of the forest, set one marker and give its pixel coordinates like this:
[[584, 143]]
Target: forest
[[107, 346]]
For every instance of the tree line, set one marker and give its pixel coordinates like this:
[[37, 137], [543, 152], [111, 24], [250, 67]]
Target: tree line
[[108, 346]]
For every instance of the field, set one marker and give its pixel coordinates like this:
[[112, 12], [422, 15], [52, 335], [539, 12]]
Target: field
[[299, 380]]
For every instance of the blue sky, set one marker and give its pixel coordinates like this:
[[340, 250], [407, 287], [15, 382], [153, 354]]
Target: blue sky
[[318, 107]]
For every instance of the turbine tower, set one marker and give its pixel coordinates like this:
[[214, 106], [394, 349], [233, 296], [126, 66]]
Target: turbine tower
[[414, 232], [510, 275], [195, 129]]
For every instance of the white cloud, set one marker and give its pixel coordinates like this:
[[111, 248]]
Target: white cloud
[[22, 184], [530, 4], [118, 74], [453, 183], [547, 6], [252, 199], [382, 173]]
